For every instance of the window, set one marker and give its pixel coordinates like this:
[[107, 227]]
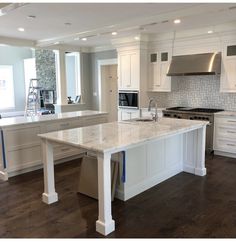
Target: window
[[7, 97], [30, 72], [73, 75]]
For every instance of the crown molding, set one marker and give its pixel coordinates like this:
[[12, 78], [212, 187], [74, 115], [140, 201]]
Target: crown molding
[[16, 42]]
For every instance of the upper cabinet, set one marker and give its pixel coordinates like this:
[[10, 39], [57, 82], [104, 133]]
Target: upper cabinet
[[228, 69], [158, 65], [129, 70]]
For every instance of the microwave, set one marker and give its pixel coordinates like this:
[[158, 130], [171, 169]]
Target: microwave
[[128, 99]]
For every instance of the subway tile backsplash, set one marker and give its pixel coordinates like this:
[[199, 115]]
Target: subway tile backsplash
[[196, 91]]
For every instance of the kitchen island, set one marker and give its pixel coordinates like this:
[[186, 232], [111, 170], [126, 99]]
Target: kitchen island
[[20, 149], [171, 145]]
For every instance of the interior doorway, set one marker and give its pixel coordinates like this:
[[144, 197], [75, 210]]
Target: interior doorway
[[108, 92]]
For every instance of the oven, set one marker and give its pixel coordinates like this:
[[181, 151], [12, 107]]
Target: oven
[[128, 99]]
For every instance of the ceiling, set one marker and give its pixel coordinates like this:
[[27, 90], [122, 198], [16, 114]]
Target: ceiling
[[63, 22]]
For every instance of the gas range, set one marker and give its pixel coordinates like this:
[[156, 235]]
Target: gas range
[[197, 110], [206, 114]]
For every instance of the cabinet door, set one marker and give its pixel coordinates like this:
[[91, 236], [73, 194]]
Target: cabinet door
[[125, 115], [154, 76], [134, 115], [165, 81], [134, 71], [228, 75], [124, 77]]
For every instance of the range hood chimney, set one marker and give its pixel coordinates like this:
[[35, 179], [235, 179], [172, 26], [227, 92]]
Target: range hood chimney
[[195, 64]]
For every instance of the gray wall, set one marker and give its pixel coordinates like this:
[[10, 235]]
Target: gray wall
[[196, 91], [94, 73], [15, 56]]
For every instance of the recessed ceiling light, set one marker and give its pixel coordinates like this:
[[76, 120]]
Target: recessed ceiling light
[[177, 21], [210, 32], [114, 33], [136, 38], [21, 29], [84, 39], [76, 38], [68, 24], [31, 16]]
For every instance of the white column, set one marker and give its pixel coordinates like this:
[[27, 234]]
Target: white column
[[200, 168], [105, 224], [61, 77], [49, 196]]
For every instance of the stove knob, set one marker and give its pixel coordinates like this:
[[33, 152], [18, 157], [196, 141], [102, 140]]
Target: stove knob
[[191, 118]]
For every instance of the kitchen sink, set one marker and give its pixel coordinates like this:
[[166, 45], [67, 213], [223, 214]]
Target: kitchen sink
[[144, 120]]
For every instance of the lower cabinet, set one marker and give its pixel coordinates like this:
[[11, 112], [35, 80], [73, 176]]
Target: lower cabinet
[[225, 135], [127, 114], [23, 148], [150, 164]]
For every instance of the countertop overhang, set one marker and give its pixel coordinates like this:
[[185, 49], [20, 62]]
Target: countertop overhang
[[13, 121], [118, 136]]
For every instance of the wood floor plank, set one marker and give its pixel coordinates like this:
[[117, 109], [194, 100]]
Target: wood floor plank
[[183, 206]]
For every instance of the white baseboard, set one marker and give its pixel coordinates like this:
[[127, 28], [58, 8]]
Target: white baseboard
[[225, 154]]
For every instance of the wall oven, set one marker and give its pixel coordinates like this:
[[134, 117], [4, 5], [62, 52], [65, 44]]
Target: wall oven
[[128, 99]]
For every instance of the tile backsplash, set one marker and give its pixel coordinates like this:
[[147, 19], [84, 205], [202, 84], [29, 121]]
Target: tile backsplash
[[196, 91]]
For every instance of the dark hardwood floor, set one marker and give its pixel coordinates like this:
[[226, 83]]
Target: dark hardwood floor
[[183, 206]]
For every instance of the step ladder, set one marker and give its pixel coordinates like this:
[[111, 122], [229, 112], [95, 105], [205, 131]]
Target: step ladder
[[32, 105]]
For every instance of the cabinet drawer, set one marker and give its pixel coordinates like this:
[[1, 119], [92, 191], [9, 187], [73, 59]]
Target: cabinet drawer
[[226, 131], [63, 125], [225, 121], [227, 145], [23, 158], [95, 121], [63, 151], [22, 136]]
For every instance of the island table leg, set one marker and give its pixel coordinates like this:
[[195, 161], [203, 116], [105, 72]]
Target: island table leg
[[49, 196], [200, 168], [105, 224]]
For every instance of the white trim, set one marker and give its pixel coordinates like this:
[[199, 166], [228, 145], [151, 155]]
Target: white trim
[[100, 63]]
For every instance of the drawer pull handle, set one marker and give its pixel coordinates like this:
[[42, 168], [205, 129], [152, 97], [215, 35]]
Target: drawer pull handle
[[67, 124], [230, 144], [230, 131], [231, 121], [65, 149]]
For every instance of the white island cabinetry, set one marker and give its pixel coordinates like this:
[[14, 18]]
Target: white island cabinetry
[[20, 144], [152, 152]]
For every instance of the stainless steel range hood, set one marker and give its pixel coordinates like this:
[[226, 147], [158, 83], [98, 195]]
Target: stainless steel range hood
[[196, 64]]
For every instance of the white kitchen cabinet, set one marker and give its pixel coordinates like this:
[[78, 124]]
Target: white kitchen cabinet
[[228, 69], [225, 135], [158, 64], [127, 114], [129, 70]]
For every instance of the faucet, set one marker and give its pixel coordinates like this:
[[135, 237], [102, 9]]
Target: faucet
[[154, 116]]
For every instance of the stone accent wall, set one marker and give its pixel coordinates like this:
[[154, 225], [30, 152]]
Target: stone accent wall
[[46, 69], [196, 91]]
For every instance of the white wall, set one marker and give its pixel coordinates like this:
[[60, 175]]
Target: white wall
[[14, 56]]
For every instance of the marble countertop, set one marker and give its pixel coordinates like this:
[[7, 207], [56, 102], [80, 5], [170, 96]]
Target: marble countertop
[[117, 136], [226, 113], [5, 122]]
